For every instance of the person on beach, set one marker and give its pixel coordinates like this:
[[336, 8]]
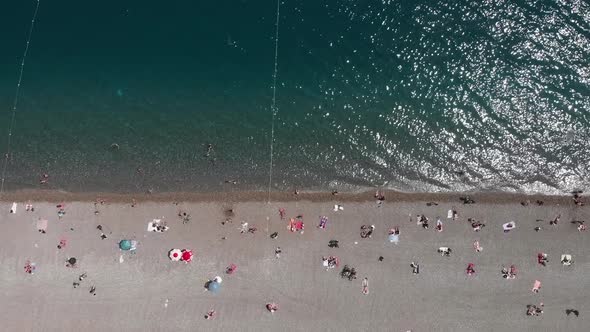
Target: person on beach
[[467, 200], [44, 178], [282, 213], [415, 268], [30, 267], [71, 262], [445, 251], [365, 286], [272, 307], [184, 217], [93, 290], [348, 272], [555, 221], [210, 314], [509, 273], [533, 310], [422, 221], [367, 231], [476, 246], [380, 198], [323, 222], [244, 227], [477, 225], [581, 226], [536, 286], [512, 272], [578, 199], [439, 225], [542, 259], [278, 252]]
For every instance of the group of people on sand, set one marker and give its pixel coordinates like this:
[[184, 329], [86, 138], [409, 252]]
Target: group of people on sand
[[509, 273]]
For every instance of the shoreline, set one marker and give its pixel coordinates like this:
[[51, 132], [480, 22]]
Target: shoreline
[[40, 195]]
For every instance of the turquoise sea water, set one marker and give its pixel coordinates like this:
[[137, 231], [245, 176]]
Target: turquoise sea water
[[423, 95]]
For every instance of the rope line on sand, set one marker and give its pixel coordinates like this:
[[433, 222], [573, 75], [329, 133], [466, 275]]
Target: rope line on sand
[[273, 107], [16, 95]]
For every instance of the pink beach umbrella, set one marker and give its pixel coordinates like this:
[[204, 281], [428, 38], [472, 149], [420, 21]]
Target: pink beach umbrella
[[175, 254], [187, 255]]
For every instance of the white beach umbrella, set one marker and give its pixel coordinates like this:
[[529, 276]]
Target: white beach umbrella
[[175, 254]]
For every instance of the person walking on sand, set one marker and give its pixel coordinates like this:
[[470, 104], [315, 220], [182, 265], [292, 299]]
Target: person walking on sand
[[542, 259], [555, 221], [278, 252], [210, 314]]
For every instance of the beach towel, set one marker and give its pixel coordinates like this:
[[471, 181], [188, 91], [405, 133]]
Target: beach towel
[[323, 222], [153, 225], [365, 286], [299, 225], [450, 214], [42, 225], [295, 225], [509, 226], [536, 286]]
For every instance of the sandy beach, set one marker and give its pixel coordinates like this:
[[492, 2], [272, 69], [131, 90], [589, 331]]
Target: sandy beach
[[146, 291]]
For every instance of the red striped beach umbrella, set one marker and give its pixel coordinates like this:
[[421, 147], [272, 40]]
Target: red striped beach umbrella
[[187, 255]]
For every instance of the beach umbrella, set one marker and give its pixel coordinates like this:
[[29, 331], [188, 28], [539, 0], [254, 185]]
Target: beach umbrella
[[125, 245], [213, 286], [175, 254], [187, 255], [394, 238]]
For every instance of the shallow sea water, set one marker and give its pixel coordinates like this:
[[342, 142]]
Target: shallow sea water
[[421, 96]]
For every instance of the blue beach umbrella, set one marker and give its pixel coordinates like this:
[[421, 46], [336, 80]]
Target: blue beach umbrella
[[125, 245], [394, 238], [214, 286]]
